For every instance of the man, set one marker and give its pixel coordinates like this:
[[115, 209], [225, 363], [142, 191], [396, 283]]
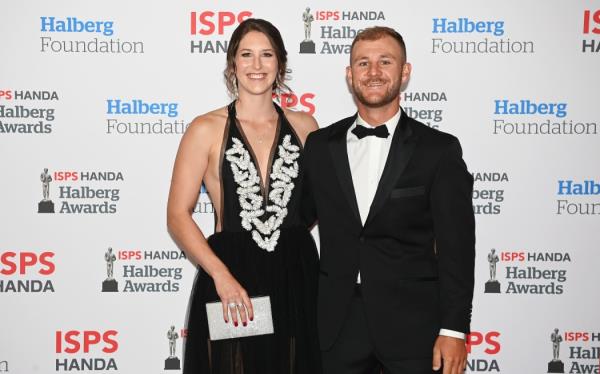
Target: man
[[396, 225]]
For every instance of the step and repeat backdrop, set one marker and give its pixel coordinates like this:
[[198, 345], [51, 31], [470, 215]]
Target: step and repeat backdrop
[[94, 99]]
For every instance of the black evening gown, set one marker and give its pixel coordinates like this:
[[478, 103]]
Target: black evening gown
[[266, 246]]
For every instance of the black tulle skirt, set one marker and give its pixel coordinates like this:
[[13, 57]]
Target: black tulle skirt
[[289, 276]]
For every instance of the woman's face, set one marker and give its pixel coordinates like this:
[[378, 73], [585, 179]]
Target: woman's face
[[256, 64]]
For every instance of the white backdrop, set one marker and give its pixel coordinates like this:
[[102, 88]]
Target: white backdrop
[[525, 57]]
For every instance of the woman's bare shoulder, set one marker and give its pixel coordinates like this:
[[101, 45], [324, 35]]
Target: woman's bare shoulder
[[303, 123]]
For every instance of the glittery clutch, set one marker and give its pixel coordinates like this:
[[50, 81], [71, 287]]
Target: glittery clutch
[[261, 325]]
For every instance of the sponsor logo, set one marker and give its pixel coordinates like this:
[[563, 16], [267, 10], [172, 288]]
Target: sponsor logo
[[578, 197], [86, 350], [483, 348], [467, 36], [591, 28], [549, 118], [73, 35], [144, 271], [426, 107], [528, 272], [210, 30], [334, 30], [81, 192], [26, 271], [581, 349], [148, 117], [488, 191], [27, 112]]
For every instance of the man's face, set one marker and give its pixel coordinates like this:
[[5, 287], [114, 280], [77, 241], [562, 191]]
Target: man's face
[[377, 71]]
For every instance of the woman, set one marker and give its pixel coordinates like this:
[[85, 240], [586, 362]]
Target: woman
[[249, 156]]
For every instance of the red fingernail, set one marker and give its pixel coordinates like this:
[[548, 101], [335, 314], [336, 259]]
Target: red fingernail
[[225, 320], [244, 323], [251, 318], [235, 324]]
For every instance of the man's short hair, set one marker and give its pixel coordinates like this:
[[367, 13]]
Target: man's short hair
[[376, 33]]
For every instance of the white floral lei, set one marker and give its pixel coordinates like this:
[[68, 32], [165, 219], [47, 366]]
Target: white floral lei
[[284, 171]]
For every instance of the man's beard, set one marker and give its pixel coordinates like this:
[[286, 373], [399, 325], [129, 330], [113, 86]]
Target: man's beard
[[380, 101]]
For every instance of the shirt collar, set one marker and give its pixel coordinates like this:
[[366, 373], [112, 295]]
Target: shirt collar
[[390, 123]]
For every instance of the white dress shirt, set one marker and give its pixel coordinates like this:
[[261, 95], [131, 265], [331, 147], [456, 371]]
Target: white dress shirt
[[367, 158]]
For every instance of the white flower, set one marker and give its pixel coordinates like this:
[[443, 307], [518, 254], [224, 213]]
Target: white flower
[[283, 171]]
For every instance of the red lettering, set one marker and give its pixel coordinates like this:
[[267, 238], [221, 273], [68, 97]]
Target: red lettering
[[512, 256], [307, 104], [476, 338], [90, 338], [586, 22], [327, 15], [205, 20], [6, 94], [26, 259], [71, 338], [209, 26], [587, 17], [225, 19], [66, 175], [577, 336], [288, 100], [494, 344], [58, 342], [193, 23], [6, 260], [126, 255], [49, 265], [112, 344]]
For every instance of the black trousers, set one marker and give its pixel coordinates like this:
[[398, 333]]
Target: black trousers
[[354, 353]]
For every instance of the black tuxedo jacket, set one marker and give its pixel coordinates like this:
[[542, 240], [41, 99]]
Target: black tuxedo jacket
[[416, 251]]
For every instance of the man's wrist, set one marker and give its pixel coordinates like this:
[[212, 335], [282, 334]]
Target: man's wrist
[[453, 334]]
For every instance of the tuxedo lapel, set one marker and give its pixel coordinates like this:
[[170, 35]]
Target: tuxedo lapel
[[339, 153], [401, 150]]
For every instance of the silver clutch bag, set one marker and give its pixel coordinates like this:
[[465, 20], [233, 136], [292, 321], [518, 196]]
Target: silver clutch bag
[[261, 325]]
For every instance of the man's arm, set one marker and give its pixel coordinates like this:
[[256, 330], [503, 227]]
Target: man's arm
[[454, 230]]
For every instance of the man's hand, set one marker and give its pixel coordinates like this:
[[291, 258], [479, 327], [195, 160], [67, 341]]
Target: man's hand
[[453, 353]]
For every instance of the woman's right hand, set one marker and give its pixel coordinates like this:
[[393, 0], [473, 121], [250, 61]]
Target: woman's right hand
[[234, 298]]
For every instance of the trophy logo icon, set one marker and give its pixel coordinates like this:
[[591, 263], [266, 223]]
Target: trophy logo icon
[[492, 285], [172, 362], [307, 45], [110, 284], [556, 365], [46, 205]]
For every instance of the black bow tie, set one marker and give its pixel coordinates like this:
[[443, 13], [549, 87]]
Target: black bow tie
[[379, 131]]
